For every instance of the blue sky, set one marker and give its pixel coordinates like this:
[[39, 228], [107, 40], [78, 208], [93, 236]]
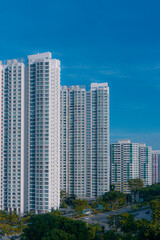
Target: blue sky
[[96, 41]]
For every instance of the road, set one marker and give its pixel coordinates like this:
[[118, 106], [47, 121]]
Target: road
[[101, 218], [142, 214]]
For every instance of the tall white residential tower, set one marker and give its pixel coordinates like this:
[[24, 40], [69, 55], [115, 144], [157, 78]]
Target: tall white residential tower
[[85, 163], [43, 133], [13, 139], [73, 140], [98, 153]]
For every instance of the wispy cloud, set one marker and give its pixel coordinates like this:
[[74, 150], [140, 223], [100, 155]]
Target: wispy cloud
[[148, 67], [77, 67], [101, 68], [108, 72], [71, 75], [113, 73]]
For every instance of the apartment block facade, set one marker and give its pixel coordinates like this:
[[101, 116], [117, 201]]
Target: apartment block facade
[[156, 166], [145, 161], [124, 164], [30, 134], [73, 140], [12, 140], [85, 164], [98, 156], [130, 161], [43, 133]]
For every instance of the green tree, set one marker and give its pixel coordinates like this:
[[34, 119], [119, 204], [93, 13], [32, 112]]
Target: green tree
[[148, 230], [128, 223], [42, 225], [63, 204], [93, 229], [63, 195], [69, 201], [56, 212], [150, 193], [134, 186], [13, 218], [58, 234], [115, 198], [93, 204], [3, 216], [155, 206], [129, 236], [114, 222], [80, 205], [111, 235]]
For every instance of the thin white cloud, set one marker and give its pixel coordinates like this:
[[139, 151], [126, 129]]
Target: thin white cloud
[[77, 67], [148, 67], [108, 72], [71, 75]]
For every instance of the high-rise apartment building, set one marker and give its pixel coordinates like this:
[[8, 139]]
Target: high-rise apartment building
[[73, 140], [43, 133], [130, 161], [85, 164], [124, 164], [156, 166], [145, 164], [97, 127], [13, 138], [30, 134]]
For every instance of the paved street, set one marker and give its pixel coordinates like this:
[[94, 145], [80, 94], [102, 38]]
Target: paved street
[[142, 214], [101, 218]]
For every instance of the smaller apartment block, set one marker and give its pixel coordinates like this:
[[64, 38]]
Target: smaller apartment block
[[130, 161], [156, 166]]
